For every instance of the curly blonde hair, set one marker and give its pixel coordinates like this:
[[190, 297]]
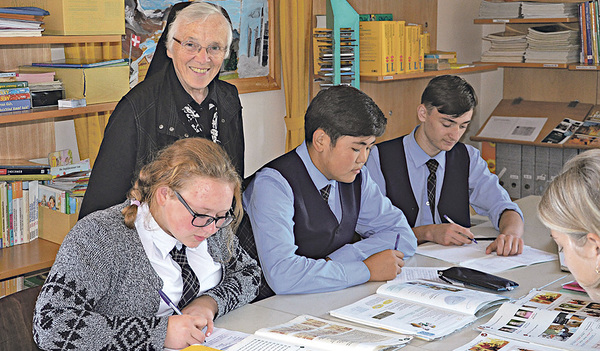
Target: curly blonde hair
[[175, 165]]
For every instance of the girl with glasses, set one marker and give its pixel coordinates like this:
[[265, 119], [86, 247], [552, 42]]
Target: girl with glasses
[[172, 237]]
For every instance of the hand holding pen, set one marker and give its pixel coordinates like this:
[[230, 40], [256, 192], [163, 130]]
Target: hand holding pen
[[182, 332], [463, 234]]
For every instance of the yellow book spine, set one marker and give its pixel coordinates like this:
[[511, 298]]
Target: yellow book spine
[[401, 55]]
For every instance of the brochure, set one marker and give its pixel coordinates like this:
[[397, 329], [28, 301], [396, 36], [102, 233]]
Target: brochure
[[421, 308], [554, 319], [310, 333]]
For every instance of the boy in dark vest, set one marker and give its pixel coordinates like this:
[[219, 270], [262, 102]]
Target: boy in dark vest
[[433, 178], [320, 223]]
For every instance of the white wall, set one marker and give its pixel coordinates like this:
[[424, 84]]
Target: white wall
[[264, 127], [457, 32]]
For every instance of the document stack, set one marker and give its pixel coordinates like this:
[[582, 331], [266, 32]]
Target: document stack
[[507, 46], [21, 21], [324, 53], [335, 47], [554, 43], [489, 9], [549, 10], [14, 96]]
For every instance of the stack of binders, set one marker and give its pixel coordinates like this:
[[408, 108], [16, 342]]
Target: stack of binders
[[14, 96]]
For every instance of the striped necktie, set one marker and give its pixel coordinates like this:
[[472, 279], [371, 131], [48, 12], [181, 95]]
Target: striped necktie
[[191, 285], [431, 179]]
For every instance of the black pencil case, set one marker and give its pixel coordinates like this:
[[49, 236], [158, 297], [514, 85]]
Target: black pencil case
[[477, 278]]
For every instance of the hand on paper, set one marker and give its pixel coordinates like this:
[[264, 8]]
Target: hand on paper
[[385, 265], [445, 234], [506, 245], [204, 307], [184, 330], [509, 242]]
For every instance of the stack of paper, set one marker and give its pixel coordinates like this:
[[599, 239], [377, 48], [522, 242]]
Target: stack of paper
[[495, 9], [552, 44], [549, 10], [21, 21], [508, 46]]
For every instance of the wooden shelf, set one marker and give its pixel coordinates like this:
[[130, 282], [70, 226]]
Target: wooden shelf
[[22, 259], [525, 20], [531, 65], [59, 39], [583, 67], [480, 67], [39, 113]]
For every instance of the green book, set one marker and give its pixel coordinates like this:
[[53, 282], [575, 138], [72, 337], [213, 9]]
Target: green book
[[376, 17], [17, 84]]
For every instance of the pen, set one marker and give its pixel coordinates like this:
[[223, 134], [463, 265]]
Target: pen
[[451, 221], [168, 301], [397, 241]]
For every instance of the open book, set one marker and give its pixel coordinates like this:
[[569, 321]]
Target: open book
[[474, 256], [425, 309], [555, 319], [308, 333]]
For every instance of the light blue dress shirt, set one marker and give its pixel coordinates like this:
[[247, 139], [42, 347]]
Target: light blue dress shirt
[[486, 195], [269, 201]]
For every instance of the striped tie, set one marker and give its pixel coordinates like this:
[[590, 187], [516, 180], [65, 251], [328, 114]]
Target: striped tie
[[431, 179], [191, 285]]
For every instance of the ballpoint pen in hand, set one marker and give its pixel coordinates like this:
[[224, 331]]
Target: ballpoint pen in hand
[[451, 221], [168, 301]]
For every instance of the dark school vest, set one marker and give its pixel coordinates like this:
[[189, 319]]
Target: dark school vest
[[454, 196], [316, 229]]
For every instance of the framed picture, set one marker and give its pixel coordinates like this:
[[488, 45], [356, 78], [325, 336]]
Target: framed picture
[[254, 61]]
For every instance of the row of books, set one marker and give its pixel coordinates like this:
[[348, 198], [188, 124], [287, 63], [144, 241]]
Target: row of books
[[11, 286], [22, 21], [589, 25], [392, 47], [19, 208], [518, 9], [15, 95]]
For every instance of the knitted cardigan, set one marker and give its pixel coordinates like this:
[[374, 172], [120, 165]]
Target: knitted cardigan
[[102, 292]]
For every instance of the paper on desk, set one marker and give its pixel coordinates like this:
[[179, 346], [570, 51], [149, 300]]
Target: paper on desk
[[513, 128], [474, 256], [220, 339], [414, 273]]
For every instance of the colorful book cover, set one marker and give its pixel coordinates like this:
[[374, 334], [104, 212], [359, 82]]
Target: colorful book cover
[[9, 204], [17, 205], [11, 97], [3, 214], [25, 214], [33, 209], [12, 85], [52, 198], [14, 91], [15, 105]]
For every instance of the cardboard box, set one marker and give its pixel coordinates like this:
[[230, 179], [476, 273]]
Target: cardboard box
[[96, 85], [77, 17], [54, 225]]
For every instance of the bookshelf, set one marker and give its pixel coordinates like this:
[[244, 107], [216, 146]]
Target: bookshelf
[[26, 258], [558, 82], [30, 134], [398, 95]]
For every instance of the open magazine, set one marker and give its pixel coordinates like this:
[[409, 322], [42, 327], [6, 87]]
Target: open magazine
[[560, 320], [309, 333], [421, 308], [489, 342]]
